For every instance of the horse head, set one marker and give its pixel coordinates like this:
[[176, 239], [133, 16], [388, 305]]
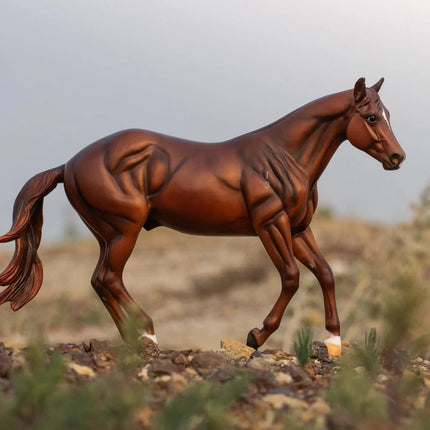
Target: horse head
[[369, 127]]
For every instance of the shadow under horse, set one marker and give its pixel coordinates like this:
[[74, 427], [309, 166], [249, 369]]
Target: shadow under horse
[[263, 184]]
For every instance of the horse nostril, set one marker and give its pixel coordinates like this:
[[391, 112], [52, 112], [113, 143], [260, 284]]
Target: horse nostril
[[396, 159]]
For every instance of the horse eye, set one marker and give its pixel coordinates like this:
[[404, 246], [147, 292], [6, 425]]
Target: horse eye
[[371, 119]]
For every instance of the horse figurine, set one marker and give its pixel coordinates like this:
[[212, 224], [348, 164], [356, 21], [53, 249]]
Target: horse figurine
[[263, 184]]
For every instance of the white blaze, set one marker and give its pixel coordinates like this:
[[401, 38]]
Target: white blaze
[[384, 114]]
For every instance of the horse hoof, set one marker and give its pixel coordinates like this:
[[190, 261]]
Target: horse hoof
[[334, 345], [148, 347], [252, 339]]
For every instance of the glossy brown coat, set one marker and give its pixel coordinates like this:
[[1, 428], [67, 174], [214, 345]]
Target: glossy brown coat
[[262, 183]]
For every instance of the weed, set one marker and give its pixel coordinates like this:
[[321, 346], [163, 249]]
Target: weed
[[303, 344], [369, 355], [203, 406], [43, 399], [353, 394]]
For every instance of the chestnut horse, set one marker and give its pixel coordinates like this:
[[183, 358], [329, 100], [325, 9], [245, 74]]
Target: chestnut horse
[[262, 184]]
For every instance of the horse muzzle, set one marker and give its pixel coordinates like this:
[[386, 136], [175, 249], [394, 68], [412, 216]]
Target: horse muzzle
[[393, 162]]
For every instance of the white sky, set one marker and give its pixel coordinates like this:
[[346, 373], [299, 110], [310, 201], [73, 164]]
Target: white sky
[[72, 72]]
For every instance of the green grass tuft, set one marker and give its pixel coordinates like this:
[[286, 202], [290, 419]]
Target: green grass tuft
[[303, 345]]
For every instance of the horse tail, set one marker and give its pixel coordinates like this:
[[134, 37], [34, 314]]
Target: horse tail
[[24, 274]]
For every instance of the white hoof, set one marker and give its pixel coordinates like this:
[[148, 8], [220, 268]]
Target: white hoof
[[149, 336], [334, 345]]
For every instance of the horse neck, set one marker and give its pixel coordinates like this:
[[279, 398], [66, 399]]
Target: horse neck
[[312, 134]]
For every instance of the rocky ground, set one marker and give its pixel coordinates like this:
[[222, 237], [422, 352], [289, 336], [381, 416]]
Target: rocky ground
[[248, 389]]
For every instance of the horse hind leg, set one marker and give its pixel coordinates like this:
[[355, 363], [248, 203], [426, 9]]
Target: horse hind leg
[[134, 324], [117, 240], [116, 234]]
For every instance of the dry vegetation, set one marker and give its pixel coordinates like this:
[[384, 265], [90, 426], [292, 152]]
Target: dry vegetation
[[202, 289]]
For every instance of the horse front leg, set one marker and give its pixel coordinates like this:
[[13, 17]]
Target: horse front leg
[[276, 238], [308, 253]]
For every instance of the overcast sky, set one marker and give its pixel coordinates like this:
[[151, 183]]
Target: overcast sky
[[74, 71]]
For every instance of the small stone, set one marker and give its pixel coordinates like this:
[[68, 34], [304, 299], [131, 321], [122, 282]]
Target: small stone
[[319, 351], [207, 362], [68, 348], [283, 378], [162, 366], [320, 407], [259, 364], [235, 349], [100, 347], [82, 370], [299, 375], [191, 372], [143, 374], [163, 378], [178, 383], [265, 381], [256, 354], [101, 353], [278, 401], [16, 347], [223, 374], [180, 359]]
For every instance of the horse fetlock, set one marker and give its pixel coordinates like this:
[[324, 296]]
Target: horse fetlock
[[332, 326]]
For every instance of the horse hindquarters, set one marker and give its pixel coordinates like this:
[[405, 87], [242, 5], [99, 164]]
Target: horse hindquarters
[[115, 215]]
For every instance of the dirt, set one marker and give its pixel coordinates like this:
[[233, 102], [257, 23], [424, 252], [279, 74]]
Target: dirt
[[277, 393], [277, 383]]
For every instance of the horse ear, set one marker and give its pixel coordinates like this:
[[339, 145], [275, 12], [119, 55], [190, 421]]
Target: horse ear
[[378, 85], [360, 90]]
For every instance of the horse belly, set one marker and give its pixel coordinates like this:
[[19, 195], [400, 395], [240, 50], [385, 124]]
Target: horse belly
[[199, 212]]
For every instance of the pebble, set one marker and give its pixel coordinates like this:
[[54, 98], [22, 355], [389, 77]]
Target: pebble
[[259, 364], [320, 406], [236, 350], [207, 362], [178, 382], [283, 378], [278, 401], [82, 370], [143, 374]]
